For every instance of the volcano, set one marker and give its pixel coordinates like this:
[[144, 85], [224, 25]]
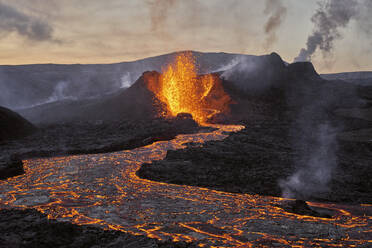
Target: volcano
[[209, 74], [167, 135]]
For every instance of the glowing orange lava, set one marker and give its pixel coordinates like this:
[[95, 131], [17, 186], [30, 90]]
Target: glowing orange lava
[[184, 91], [104, 190]]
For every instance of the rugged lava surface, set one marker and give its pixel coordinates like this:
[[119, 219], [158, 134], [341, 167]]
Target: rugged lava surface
[[29, 228], [104, 190], [255, 159], [87, 138]]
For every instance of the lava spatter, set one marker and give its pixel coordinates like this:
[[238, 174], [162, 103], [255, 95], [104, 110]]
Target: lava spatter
[[184, 91]]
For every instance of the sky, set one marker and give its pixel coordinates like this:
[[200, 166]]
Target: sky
[[96, 31]]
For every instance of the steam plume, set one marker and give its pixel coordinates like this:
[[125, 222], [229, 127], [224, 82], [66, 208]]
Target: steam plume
[[277, 12], [11, 20], [328, 19], [317, 161], [125, 80]]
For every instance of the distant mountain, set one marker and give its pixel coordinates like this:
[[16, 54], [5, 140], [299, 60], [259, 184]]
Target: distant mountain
[[259, 86], [23, 86], [136, 102], [126, 103], [360, 78]]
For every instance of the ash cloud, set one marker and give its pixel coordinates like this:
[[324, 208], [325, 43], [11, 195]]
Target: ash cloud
[[277, 13], [12, 20], [330, 17]]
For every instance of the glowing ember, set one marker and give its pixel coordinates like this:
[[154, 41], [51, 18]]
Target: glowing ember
[[183, 91]]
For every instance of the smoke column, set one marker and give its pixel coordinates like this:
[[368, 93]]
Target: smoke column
[[329, 18], [317, 161], [11, 20], [277, 13]]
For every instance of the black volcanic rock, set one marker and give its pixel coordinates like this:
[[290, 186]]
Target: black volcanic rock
[[30, 228], [255, 159], [10, 167], [257, 74], [13, 126], [302, 208], [302, 71]]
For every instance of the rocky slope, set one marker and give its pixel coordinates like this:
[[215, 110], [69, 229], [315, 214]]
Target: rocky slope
[[13, 126]]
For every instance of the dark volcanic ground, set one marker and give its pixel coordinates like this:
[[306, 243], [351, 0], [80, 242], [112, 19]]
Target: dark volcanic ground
[[29, 228], [283, 123], [252, 161], [87, 138], [256, 158]]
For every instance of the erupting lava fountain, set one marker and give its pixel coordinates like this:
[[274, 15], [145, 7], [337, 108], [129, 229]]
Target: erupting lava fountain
[[182, 90]]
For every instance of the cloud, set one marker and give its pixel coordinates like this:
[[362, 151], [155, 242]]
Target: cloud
[[30, 27]]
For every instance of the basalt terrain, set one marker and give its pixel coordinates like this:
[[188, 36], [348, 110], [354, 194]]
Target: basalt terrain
[[276, 117], [281, 107], [254, 160], [87, 138], [29, 228]]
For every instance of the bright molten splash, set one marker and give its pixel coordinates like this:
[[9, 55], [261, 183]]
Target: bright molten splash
[[184, 91]]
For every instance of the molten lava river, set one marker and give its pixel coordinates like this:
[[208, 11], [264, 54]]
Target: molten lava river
[[104, 190]]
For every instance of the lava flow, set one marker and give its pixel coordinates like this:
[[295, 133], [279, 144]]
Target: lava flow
[[103, 189], [184, 91]]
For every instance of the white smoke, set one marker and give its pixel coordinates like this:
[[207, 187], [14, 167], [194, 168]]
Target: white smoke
[[126, 80], [238, 65], [228, 66], [60, 93], [317, 162]]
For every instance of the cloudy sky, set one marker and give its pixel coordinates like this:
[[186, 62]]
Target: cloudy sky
[[96, 31]]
